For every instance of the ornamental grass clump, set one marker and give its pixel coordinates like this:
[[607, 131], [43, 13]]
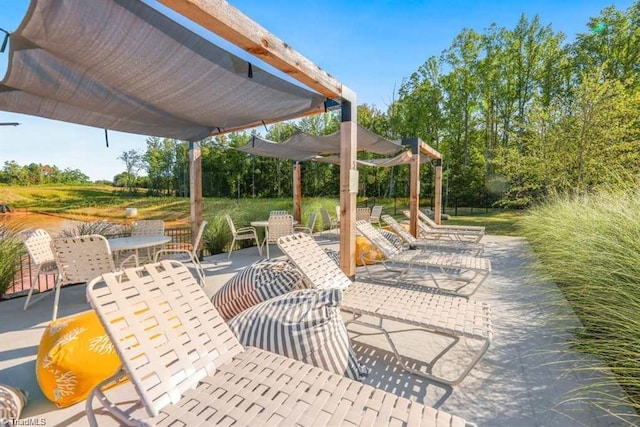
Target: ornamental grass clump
[[11, 251], [590, 247]]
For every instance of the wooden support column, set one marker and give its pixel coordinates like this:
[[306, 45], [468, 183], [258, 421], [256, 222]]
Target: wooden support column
[[348, 182], [438, 191], [195, 188], [297, 192], [414, 183]]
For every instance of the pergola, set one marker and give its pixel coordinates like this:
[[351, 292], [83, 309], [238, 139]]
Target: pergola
[[123, 65], [321, 148]]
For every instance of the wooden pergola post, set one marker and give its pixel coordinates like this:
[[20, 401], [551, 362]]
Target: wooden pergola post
[[297, 192], [438, 191], [414, 183], [195, 188], [418, 147], [348, 182]]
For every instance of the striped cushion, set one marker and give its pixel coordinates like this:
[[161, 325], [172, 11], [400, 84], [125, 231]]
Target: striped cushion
[[258, 282], [305, 325], [12, 400]]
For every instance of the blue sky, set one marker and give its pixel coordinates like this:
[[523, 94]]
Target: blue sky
[[370, 46]]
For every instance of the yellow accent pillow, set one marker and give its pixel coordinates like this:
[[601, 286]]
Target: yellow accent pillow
[[364, 246], [75, 355]]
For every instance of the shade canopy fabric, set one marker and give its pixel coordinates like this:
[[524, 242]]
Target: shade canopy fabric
[[122, 65], [303, 146]]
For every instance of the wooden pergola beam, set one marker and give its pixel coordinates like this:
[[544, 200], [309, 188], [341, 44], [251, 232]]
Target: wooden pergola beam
[[229, 23]]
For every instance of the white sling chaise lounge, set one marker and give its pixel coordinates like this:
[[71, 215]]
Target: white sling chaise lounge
[[428, 232], [455, 266], [189, 369], [436, 244], [409, 304]]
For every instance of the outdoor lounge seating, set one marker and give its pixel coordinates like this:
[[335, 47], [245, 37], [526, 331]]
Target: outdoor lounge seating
[[148, 227], [279, 225], [309, 227], [80, 259], [327, 222], [428, 232], [455, 267], [242, 233], [409, 304], [435, 244], [431, 223], [186, 249], [376, 213], [38, 244], [363, 214], [189, 369]]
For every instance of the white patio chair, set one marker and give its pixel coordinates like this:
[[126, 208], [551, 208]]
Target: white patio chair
[[80, 259], [188, 367], [406, 303], [242, 233], [38, 244], [337, 215], [279, 225], [188, 250], [309, 227], [278, 213], [148, 227], [363, 214], [376, 213], [327, 222]]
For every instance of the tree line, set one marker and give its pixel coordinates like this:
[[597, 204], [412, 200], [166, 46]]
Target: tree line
[[518, 114], [35, 173]]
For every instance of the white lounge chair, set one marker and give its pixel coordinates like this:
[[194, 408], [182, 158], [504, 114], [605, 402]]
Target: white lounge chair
[[441, 245], [376, 213], [431, 223], [80, 259], [38, 244], [428, 232], [454, 266], [410, 304], [188, 250], [242, 233], [188, 368], [279, 225]]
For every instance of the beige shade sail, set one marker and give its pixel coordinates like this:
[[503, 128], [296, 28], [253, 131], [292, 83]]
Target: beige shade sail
[[122, 65]]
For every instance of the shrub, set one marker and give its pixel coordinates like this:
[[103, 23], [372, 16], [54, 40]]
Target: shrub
[[11, 251], [102, 228], [590, 246]]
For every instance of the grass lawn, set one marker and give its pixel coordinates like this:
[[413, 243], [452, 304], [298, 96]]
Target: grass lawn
[[96, 202]]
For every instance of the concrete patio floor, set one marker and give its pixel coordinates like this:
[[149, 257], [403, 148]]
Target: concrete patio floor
[[522, 380]]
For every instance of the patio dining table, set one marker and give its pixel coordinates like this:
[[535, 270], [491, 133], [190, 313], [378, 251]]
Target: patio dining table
[[136, 243]]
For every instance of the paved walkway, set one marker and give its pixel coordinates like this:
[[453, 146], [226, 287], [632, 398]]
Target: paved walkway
[[522, 380]]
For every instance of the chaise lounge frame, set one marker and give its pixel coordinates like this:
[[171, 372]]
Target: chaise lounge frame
[[189, 368], [409, 304], [436, 244], [453, 266]]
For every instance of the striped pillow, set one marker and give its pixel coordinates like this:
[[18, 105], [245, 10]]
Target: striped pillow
[[305, 325], [12, 400], [258, 282], [393, 238]]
